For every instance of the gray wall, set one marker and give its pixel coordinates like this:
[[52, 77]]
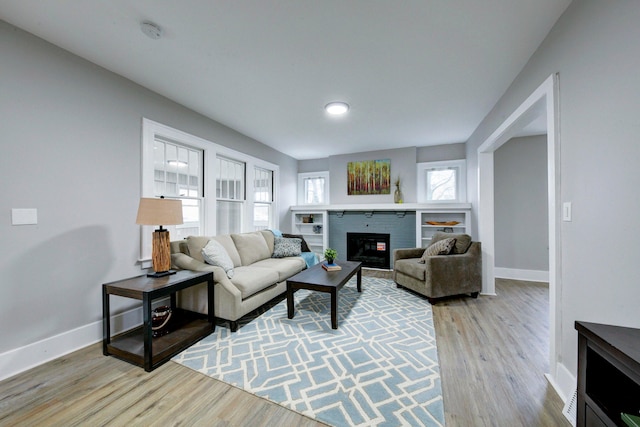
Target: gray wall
[[403, 164], [521, 199], [70, 143], [594, 48]]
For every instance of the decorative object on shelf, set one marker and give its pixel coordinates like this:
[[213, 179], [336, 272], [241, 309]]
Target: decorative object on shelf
[[369, 177], [317, 229], [330, 255], [307, 219], [155, 212], [397, 195], [449, 223]]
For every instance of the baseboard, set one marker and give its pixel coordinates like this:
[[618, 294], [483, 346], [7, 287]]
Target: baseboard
[[564, 383], [21, 359], [518, 274]]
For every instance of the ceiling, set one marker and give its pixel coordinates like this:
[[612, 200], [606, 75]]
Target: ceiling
[[415, 72]]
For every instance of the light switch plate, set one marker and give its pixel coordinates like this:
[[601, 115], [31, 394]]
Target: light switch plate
[[566, 211], [24, 216]]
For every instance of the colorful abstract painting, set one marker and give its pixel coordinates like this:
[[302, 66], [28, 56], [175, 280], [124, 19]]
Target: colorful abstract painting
[[369, 177]]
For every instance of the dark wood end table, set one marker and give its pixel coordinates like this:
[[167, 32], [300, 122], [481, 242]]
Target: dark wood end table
[[318, 279], [137, 346]]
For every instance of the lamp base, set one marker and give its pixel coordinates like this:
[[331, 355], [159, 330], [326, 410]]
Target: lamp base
[[161, 273]]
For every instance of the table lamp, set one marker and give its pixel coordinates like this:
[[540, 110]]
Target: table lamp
[[155, 212]]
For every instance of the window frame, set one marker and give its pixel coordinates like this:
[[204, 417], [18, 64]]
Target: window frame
[[461, 179], [211, 150], [306, 175]]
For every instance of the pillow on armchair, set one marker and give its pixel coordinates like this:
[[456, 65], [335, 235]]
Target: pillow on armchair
[[463, 241], [441, 247]]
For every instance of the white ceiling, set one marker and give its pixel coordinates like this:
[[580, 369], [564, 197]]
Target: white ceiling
[[415, 72]]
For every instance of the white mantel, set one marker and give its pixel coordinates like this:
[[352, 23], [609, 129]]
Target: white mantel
[[396, 207]]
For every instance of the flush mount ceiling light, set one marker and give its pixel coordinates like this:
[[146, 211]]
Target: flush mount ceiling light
[[151, 30], [336, 108]]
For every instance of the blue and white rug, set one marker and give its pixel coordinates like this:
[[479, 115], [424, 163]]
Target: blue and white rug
[[379, 368]]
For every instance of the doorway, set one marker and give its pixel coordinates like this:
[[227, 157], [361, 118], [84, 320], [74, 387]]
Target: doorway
[[542, 102]]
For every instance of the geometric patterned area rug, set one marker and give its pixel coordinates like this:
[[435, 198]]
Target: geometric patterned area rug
[[379, 368]]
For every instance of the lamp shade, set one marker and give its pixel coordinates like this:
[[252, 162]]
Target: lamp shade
[[159, 212]]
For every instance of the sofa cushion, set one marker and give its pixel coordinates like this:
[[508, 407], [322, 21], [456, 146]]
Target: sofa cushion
[[441, 247], [227, 243], [195, 245], [284, 247], [411, 267], [268, 236], [286, 267], [252, 247], [303, 244], [252, 279], [463, 241], [215, 254]]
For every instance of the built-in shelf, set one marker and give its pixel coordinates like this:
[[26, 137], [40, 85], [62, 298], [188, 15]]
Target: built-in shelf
[[312, 225], [425, 231]]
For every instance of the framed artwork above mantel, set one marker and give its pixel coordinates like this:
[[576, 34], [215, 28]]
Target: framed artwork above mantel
[[369, 177]]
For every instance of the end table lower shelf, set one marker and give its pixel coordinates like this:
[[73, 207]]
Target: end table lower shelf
[[187, 329]]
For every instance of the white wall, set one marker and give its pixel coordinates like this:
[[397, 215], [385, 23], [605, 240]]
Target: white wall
[[70, 147], [594, 48], [520, 197]]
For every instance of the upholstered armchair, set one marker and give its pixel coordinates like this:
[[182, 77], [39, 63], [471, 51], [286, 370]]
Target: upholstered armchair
[[440, 275]]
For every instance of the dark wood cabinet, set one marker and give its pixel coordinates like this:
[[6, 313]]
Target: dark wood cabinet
[[608, 374], [137, 345]]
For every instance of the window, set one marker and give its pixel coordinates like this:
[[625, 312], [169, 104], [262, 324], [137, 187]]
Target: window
[[262, 198], [178, 174], [210, 179], [441, 182], [229, 195], [313, 188]]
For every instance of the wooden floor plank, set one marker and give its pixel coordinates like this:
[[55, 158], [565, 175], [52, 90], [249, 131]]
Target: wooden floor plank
[[493, 354]]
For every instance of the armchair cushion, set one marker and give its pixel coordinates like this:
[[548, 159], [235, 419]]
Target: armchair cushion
[[463, 241]]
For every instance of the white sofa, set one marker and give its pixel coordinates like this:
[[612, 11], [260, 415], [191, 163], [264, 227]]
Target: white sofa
[[257, 277]]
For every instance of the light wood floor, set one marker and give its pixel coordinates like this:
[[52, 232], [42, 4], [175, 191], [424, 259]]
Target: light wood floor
[[492, 351]]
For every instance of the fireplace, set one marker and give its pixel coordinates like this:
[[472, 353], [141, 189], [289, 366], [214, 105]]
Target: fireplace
[[371, 249]]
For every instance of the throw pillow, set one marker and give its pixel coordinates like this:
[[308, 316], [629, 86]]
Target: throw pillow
[[284, 246], [304, 247], [215, 254], [463, 241], [441, 247]]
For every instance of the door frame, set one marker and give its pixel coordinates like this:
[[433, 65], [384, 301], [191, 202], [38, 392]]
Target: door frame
[[544, 100]]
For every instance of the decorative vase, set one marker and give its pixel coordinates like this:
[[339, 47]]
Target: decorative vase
[[397, 195]]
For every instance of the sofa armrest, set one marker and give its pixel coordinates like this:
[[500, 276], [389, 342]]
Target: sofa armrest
[[182, 261], [407, 253]]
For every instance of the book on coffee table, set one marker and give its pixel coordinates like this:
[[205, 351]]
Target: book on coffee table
[[331, 267]]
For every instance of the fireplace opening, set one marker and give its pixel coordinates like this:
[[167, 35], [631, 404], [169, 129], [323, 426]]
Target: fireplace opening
[[371, 249]]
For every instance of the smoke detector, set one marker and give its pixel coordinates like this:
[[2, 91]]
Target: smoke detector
[[151, 30]]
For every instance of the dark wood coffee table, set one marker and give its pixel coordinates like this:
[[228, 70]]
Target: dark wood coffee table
[[318, 279]]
